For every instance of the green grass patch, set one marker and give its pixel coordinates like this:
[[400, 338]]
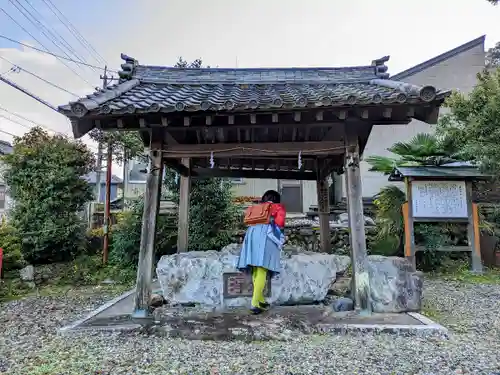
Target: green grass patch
[[84, 273], [459, 271]]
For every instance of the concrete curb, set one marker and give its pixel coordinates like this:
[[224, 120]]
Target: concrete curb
[[382, 328], [427, 328], [428, 322], [97, 311]]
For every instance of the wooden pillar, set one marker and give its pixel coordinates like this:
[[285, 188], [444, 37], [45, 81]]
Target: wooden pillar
[[323, 212], [473, 232], [361, 290], [183, 223], [148, 232], [409, 230]]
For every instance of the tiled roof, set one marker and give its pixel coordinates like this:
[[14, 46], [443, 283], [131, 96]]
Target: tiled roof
[[5, 148], [450, 172], [145, 89], [92, 178]]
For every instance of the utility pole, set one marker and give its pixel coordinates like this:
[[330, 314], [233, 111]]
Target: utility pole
[[109, 163], [125, 176], [97, 187], [99, 148], [107, 208]]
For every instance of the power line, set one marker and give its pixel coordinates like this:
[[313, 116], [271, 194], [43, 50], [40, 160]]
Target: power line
[[53, 32], [6, 132], [73, 30], [33, 96], [24, 91], [31, 121], [15, 122], [46, 49], [35, 22], [40, 78], [14, 69], [53, 54], [29, 127]]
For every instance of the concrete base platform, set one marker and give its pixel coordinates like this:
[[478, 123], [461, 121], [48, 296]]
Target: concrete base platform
[[279, 323]]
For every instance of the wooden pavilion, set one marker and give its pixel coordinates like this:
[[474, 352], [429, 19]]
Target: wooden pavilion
[[282, 123]]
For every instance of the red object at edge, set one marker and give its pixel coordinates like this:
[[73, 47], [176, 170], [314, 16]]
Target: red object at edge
[[279, 213]]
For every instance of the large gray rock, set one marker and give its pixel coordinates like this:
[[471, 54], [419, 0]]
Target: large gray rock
[[196, 277], [27, 273], [394, 286]]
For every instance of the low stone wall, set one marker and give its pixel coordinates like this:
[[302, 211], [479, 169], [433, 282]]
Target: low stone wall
[[307, 237]]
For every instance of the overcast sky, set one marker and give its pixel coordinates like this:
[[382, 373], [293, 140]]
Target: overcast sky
[[225, 33]]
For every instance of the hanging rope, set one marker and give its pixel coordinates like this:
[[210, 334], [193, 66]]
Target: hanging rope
[[243, 149]]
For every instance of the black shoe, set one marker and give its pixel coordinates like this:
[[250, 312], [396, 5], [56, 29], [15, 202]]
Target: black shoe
[[256, 310], [264, 305]]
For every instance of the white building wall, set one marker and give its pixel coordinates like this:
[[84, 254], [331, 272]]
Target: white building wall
[[254, 187], [456, 73], [257, 187]]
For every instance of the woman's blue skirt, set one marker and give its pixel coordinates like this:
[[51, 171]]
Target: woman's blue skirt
[[261, 248]]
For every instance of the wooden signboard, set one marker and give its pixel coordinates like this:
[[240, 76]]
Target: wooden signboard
[[438, 201]]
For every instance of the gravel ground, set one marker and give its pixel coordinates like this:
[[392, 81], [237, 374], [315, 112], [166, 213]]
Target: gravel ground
[[29, 343]]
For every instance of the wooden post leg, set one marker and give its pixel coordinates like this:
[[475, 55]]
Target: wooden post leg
[[409, 230], [148, 232], [183, 224], [361, 278], [409, 242], [324, 214], [473, 228], [473, 232]]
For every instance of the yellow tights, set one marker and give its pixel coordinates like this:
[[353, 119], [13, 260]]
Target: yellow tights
[[259, 278]]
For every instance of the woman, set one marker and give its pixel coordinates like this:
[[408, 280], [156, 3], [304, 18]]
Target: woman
[[260, 252]]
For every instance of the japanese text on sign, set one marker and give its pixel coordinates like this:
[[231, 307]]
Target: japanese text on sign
[[439, 199]]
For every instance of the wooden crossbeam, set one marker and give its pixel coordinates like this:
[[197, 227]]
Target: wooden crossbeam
[[255, 173], [179, 151], [177, 166]]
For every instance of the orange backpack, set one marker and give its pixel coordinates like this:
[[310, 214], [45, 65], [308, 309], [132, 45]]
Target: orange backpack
[[258, 214]]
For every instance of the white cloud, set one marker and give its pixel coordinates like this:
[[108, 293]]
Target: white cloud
[[25, 54]]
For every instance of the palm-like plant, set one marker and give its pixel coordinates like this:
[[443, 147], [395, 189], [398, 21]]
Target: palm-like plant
[[422, 150]]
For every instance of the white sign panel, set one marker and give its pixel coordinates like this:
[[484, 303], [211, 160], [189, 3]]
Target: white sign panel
[[439, 199]]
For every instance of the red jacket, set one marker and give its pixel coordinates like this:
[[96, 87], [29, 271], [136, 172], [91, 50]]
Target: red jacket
[[278, 212]]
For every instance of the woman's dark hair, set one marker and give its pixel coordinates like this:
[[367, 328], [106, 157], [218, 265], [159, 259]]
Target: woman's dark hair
[[271, 196]]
